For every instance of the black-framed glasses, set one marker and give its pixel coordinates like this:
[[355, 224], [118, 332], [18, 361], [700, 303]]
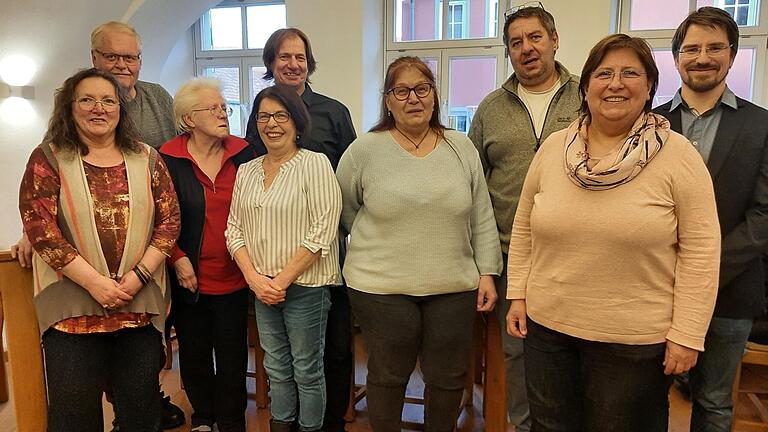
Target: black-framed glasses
[[530, 4], [402, 93], [625, 75], [87, 103], [216, 109], [711, 50], [129, 59], [279, 116]]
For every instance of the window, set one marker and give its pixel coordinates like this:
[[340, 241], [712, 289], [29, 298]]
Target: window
[[641, 18], [229, 42], [466, 55]]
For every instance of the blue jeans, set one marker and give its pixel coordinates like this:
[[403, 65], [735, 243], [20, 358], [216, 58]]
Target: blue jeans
[[577, 385], [292, 334], [711, 380]]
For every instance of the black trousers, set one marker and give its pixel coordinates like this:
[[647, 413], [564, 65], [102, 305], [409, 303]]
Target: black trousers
[[78, 368], [579, 385], [215, 327]]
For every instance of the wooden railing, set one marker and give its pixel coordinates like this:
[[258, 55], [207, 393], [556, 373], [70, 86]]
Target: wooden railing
[[25, 359]]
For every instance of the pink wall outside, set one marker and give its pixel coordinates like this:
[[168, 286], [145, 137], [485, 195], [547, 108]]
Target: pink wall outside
[[424, 11], [471, 78], [477, 18], [656, 14], [424, 15]]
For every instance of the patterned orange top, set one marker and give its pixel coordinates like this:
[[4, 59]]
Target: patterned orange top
[[38, 203]]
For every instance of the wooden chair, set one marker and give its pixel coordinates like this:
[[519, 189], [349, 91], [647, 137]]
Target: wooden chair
[[258, 372], [755, 354], [25, 358]]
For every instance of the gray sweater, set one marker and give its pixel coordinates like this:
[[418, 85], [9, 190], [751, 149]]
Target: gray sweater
[[503, 133], [152, 113], [418, 225]]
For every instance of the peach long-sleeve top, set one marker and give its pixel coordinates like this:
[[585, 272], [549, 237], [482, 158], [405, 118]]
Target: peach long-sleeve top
[[636, 264]]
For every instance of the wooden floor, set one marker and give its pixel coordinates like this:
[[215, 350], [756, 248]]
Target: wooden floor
[[471, 420]]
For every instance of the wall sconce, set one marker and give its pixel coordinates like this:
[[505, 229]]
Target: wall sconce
[[16, 72], [24, 92]]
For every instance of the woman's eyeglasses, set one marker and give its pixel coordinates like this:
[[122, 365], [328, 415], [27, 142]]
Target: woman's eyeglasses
[[88, 103], [216, 109], [279, 116], [402, 93]]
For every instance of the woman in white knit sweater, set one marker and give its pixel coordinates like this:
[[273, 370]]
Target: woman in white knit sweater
[[423, 251]]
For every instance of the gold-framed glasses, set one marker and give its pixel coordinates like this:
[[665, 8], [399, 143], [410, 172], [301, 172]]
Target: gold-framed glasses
[[625, 75], [694, 51], [87, 103], [216, 109], [279, 116], [129, 59], [530, 4], [402, 93]]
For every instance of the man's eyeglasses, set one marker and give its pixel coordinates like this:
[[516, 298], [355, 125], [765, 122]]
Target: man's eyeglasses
[[515, 9], [279, 116], [625, 75], [129, 59], [216, 109], [88, 103], [402, 93], [711, 50]]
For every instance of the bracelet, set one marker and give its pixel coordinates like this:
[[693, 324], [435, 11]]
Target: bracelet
[[146, 272], [142, 273], [141, 277]]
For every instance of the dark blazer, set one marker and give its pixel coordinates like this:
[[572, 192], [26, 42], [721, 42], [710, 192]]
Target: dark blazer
[[739, 168]]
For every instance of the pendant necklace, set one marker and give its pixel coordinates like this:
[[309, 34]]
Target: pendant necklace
[[415, 144]]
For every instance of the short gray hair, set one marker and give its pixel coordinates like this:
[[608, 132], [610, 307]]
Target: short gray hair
[[116, 26], [187, 96]]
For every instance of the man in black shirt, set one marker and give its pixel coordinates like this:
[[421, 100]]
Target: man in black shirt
[[289, 61]]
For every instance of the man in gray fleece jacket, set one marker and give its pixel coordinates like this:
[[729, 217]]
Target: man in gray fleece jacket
[[510, 124]]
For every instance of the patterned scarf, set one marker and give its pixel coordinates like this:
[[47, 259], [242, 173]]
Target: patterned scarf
[[644, 140]]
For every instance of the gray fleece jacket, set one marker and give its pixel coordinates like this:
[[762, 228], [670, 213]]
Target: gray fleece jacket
[[502, 130]]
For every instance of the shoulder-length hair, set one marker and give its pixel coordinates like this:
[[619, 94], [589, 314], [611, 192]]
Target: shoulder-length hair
[[387, 121], [293, 103], [614, 42], [273, 44], [62, 131]]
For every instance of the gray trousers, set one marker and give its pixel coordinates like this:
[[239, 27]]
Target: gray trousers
[[514, 365]]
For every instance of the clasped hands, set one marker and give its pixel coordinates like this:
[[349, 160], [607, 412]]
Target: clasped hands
[[268, 290], [112, 294]]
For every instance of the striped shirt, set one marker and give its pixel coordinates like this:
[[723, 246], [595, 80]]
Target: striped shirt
[[301, 208]]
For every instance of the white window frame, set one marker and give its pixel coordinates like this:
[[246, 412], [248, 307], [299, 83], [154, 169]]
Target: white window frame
[[243, 59], [749, 36], [464, 18], [391, 27]]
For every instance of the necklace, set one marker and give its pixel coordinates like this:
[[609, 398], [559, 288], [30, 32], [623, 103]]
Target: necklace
[[271, 172], [415, 144]]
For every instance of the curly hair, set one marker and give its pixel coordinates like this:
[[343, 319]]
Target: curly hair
[[62, 131]]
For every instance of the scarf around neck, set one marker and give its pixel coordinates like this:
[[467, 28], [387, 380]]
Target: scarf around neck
[[645, 139]]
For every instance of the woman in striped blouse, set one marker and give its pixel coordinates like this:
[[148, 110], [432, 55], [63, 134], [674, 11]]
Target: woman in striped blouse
[[282, 231]]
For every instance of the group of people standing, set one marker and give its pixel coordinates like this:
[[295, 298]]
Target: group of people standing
[[613, 239]]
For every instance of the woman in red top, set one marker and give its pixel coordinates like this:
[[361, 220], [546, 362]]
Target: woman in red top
[[210, 295], [100, 211]]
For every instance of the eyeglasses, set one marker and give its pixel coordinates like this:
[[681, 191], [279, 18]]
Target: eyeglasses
[[530, 4], [129, 59], [402, 93], [607, 75], [216, 109], [279, 116], [88, 103], [712, 51]]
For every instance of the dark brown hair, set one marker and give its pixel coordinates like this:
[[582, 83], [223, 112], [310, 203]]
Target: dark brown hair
[[712, 17], [545, 18], [614, 42], [62, 131], [293, 103], [273, 44], [387, 121]]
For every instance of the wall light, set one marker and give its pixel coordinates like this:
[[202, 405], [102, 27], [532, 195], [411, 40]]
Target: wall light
[[16, 71]]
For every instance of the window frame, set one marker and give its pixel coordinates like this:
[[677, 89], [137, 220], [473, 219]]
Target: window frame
[[444, 42], [749, 36], [243, 52]]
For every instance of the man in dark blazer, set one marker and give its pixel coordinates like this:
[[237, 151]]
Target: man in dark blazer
[[732, 136]]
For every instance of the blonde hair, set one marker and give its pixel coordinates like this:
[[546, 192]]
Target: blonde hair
[[115, 26], [187, 96]]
